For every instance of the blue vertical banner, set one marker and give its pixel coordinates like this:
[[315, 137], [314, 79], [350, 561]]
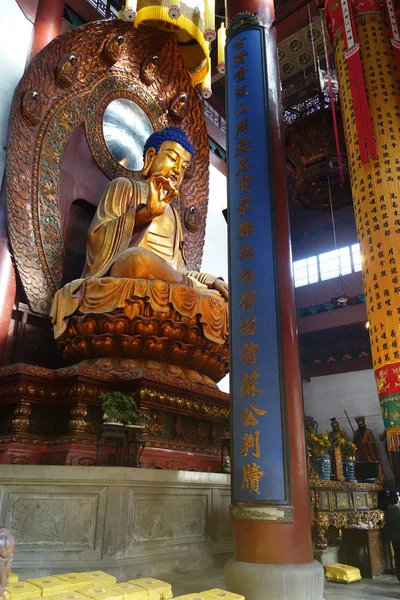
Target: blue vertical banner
[[258, 475]]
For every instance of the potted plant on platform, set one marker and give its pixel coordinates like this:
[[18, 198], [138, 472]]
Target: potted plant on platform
[[348, 450], [121, 410], [319, 447]]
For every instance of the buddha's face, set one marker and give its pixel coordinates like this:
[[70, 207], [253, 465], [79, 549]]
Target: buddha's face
[[170, 162], [335, 427]]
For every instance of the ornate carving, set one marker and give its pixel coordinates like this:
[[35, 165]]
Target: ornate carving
[[241, 20], [149, 69], [155, 398], [261, 513], [20, 421], [345, 485], [192, 219], [31, 107], [6, 556], [67, 70], [33, 521], [78, 413], [166, 518], [33, 160], [113, 48], [179, 107], [341, 520], [161, 337]]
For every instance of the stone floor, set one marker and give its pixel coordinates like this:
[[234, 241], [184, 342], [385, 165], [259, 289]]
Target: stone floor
[[384, 587]]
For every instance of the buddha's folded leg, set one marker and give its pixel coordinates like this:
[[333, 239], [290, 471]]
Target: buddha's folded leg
[[140, 263]]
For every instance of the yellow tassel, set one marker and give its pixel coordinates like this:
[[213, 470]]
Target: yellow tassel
[[209, 20], [206, 90], [221, 49], [174, 11], [129, 12]]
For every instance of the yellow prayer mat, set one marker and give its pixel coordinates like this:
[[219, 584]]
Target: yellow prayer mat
[[130, 591], [76, 581], [101, 579], [102, 593], [216, 593], [343, 573], [71, 595], [22, 590], [50, 585], [157, 590]]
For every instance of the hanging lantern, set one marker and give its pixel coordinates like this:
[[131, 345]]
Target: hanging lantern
[[185, 18], [221, 49], [174, 11], [206, 90], [209, 21]]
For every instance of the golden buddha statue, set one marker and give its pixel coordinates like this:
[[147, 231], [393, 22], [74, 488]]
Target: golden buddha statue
[[136, 233], [135, 250]]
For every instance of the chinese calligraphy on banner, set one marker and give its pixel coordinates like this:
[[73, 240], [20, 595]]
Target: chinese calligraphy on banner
[[258, 473]]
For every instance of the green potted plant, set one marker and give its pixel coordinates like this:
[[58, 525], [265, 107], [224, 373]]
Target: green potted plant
[[121, 409]]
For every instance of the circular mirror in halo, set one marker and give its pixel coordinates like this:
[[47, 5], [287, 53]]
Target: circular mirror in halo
[[126, 128]]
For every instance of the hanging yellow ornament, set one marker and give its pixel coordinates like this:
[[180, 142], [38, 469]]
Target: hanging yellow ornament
[[185, 18], [206, 90], [174, 11], [221, 48], [209, 20], [129, 12]]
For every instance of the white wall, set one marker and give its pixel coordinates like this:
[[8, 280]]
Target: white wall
[[328, 396], [215, 256], [15, 39]]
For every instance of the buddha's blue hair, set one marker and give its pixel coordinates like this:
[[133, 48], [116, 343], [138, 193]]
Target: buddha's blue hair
[[168, 134]]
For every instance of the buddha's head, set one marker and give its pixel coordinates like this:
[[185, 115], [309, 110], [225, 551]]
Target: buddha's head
[[168, 153]]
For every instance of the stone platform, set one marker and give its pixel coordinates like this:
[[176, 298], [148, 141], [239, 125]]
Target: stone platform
[[124, 521]]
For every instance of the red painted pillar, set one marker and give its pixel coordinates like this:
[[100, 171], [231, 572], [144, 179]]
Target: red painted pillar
[[48, 23], [273, 558], [7, 278]]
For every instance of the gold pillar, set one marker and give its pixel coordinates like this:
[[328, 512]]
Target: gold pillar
[[375, 184]]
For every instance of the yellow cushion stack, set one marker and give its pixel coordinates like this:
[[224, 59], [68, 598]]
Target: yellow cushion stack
[[217, 593], [198, 596], [344, 573], [130, 591], [76, 581], [71, 595], [13, 578], [157, 590], [102, 593], [101, 579], [49, 585], [22, 590]]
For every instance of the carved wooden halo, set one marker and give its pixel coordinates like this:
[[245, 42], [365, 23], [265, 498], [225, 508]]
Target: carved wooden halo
[[39, 132], [107, 90]]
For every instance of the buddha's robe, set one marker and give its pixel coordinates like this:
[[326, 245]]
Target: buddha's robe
[[124, 261], [113, 232]]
